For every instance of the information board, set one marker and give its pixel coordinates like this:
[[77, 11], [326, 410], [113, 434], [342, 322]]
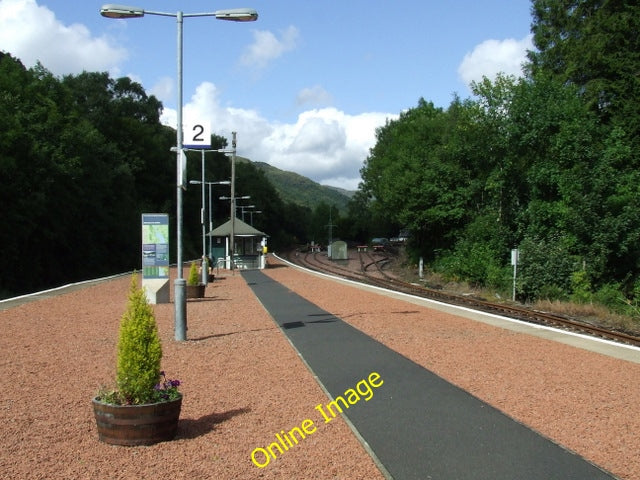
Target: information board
[[155, 245]]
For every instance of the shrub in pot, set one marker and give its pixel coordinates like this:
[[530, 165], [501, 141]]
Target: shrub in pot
[[144, 408], [195, 289]]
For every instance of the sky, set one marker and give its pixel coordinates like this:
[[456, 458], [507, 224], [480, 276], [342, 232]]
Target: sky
[[305, 86]]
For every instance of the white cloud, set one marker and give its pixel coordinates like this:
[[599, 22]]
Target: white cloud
[[163, 89], [315, 96], [32, 33], [317, 135], [267, 47], [326, 145], [494, 56]]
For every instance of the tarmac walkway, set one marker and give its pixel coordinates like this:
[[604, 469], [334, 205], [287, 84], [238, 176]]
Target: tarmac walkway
[[415, 424]]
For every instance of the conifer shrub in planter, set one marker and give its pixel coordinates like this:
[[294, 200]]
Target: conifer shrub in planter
[[195, 288], [144, 408]]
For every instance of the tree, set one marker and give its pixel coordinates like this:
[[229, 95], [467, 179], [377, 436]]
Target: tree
[[548, 162], [413, 179], [21, 202], [594, 45], [80, 158], [360, 221]]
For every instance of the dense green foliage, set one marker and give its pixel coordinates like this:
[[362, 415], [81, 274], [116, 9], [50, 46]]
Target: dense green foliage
[[139, 350], [593, 44], [81, 158], [547, 164]]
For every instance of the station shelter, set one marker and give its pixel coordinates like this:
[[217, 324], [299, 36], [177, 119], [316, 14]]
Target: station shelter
[[250, 246]]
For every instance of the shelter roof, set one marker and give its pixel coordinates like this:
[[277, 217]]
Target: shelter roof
[[240, 229]]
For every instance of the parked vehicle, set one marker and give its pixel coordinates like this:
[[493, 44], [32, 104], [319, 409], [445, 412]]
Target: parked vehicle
[[380, 243]]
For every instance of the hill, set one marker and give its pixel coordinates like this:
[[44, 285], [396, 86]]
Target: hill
[[301, 190]]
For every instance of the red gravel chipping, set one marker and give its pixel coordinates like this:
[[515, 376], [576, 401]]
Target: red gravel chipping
[[243, 382]]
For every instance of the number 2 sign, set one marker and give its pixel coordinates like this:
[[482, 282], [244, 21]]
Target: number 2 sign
[[197, 135]]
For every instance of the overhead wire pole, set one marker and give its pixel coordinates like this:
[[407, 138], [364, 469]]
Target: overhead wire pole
[[330, 227]]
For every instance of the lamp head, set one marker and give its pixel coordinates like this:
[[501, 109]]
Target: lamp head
[[237, 15], [111, 10]]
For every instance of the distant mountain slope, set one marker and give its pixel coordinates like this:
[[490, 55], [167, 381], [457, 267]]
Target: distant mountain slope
[[301, 190]]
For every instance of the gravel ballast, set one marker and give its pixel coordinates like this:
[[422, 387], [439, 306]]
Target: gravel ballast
[[243, 383]]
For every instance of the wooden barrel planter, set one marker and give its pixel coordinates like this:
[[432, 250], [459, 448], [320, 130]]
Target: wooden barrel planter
[[196, 291], [132, 425]]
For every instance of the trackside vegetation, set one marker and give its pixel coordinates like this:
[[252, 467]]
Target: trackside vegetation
[[547, 163], [81, 158]]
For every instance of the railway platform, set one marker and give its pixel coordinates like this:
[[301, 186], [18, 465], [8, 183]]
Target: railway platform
[[415, 424]]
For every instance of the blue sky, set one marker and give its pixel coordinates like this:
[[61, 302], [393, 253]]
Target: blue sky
[[305, 86]]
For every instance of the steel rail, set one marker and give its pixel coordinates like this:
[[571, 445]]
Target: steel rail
[[316, 262]]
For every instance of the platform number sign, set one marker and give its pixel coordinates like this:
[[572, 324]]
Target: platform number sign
[[197, 134]]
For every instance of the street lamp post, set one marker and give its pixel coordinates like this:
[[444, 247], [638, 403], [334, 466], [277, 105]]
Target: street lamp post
[[233, 199], [251, 212], [243, 208], [210, 222], [205, 274], [237, 15], [203, 263], [244, 197], [204, 228]]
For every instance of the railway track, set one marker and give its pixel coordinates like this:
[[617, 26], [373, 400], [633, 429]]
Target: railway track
[[370, 268]]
